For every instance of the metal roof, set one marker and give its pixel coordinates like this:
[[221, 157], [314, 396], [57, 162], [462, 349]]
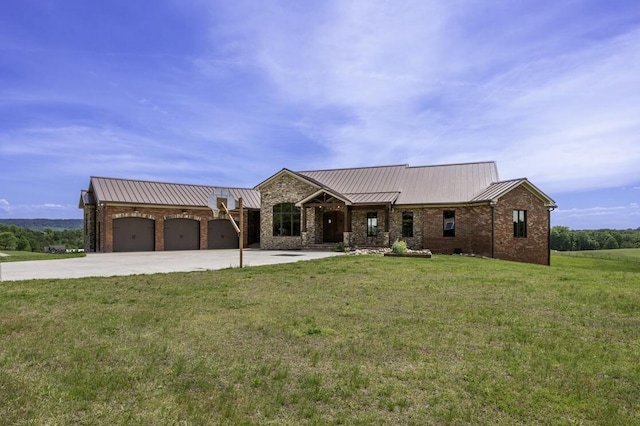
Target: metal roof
[[128, 191], [498, 189], [402, 184]]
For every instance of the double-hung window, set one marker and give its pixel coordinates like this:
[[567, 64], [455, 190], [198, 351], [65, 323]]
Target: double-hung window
[[407, 224], [520, 223], [372, 224]]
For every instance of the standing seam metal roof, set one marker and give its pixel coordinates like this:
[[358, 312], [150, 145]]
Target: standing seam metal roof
[[112, 190], [449, 183]]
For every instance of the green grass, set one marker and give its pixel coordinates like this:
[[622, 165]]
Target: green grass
[[346, 340], [19, 256], [632, 254]]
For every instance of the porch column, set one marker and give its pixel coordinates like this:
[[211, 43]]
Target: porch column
[[346, 238], [304, 219]]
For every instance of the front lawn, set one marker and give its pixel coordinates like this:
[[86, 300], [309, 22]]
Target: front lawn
[[345, 340]]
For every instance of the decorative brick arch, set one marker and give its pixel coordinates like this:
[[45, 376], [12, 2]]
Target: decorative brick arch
[[134, 214], [183, 216]]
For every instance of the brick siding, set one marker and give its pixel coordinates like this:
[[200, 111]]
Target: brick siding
[[101, 229], [535, 247]]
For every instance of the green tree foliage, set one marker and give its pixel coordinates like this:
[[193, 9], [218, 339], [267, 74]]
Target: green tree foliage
[[30, 240], [565, 239], [8, 240]]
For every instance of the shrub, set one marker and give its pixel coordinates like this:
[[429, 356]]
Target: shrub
[[399, 247], [340, 246]]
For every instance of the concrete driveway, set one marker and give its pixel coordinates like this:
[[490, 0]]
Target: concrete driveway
[[111, 264]]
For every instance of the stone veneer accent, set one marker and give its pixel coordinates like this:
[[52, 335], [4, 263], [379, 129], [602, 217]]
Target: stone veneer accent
[[286, 189], [359, 237], [395, 227]]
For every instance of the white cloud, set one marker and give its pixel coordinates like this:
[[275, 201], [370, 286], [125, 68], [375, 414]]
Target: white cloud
[[615, 217], [426, 83]]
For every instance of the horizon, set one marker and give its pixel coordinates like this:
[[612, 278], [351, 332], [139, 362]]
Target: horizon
[[220, 94]]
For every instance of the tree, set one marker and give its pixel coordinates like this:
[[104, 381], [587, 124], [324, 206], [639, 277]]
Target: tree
[[8, 240], [561, 238]]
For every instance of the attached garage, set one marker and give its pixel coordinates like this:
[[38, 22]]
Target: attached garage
[[133, 234], [222, 235], [181, 234], [134, 215]]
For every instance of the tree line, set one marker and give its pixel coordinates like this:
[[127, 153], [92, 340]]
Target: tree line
[[565, 239], [13, 237]]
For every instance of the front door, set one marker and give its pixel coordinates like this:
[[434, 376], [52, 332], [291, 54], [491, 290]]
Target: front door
[[332, 227]]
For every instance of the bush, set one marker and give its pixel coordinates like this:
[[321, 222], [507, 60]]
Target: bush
[[399, 247], [340, 246]]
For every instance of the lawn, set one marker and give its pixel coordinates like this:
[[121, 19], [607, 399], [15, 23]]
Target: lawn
[[632, 254], [19, 256], [345, 340]]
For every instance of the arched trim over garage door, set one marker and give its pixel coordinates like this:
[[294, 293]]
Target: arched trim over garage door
[[134, 234], [222, 235], [181, 234]]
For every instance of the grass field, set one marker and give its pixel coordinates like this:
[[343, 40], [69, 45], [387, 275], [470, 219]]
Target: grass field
[[19, 256], [345, 340], [618, 254]]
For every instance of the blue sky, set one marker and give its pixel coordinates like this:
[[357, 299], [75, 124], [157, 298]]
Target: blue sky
[[229, 92]]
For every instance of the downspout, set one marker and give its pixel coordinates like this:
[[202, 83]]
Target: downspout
[[549, 236], [493, 229]]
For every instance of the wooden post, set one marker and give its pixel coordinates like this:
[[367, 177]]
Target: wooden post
[[241, 232]]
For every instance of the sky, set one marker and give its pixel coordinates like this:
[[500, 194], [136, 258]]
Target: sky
[[230, 92]]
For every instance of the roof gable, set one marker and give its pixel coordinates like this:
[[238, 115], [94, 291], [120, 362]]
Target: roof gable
[[499, 189], [286, 172]]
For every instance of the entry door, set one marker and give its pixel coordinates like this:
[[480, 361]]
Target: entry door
[[332, 227]]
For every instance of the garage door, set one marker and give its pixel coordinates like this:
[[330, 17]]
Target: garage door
[[133, 234], [222, 235], [181, 234]]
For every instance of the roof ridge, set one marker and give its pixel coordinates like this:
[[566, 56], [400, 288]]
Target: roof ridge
[[354, 168], [453, 164], [170, 183], [509, 180]]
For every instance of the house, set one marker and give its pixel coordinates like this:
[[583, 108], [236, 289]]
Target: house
[[135, 215], [453, 208]]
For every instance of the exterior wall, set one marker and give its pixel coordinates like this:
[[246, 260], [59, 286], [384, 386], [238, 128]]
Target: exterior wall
[[89, 228], [535, 247], [472, 230], [102, 230], [285, 189], [359, 236], [395, 227]]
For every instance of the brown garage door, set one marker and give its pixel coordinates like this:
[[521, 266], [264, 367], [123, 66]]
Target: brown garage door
[[181, 234], [222, 235], [133, 234]]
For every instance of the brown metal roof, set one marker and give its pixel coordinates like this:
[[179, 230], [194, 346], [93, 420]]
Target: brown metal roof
[[498, 189], [449, 183], [112, 190]]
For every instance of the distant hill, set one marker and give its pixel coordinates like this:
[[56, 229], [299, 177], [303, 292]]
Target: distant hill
[[41, 224]]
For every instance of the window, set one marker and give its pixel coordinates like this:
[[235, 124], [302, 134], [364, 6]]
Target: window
[[407, 224], [372, 224], [520, 223], [449, 223], [286, 220]]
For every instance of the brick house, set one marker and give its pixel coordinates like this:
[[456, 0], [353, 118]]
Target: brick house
[[134, 215], [455, 208]]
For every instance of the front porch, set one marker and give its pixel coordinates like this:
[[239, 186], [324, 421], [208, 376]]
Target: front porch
[[327, 220]]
